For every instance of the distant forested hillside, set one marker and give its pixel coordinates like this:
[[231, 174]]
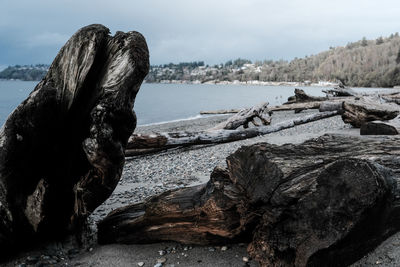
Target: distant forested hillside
[[366, 63], [25, 73]]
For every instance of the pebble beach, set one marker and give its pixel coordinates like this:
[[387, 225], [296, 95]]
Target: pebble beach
[[145, 176]]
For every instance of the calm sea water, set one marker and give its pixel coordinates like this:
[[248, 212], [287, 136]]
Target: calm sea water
[[157, 103]]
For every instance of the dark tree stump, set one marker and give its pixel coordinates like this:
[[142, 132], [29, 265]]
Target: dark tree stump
[[62, 149], [324, 202]]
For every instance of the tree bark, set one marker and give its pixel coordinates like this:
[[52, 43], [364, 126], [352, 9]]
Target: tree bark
[[62, 149], [140, 144], [327, 201]]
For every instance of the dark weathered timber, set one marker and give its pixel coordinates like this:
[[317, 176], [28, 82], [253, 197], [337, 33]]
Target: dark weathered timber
[[203, 214], [328, 200], [62, 149], [391, 127], [301, 97], [140, 144], [364, 109]]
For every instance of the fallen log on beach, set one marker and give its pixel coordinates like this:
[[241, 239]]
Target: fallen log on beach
[[302, 101], [220, 111], [285, 107], [245, 116], [391, 127], [337, 92], [327, 201], [62, 149], [300, 97], [361, 110], [140, 144]]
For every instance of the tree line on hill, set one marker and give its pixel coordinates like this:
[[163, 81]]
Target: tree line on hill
[[365, 63], [25, 72]]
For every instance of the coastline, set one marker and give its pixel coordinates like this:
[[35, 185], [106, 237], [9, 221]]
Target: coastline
[[250, 82], [144, 176]]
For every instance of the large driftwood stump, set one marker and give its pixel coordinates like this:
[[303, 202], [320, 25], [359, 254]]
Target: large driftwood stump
[[62, 149], [324, 202]]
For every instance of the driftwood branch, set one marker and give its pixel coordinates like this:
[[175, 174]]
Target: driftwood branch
[[245, 116], [142, 144], [220, 111], [327, 201]]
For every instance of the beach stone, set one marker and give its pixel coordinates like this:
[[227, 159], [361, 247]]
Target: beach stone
[[161, 260], [32, 259], [62, 149]]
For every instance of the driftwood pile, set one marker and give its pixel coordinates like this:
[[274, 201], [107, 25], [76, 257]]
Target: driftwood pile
[[140, 144], [355, 109], [62, 149], [327, 201]]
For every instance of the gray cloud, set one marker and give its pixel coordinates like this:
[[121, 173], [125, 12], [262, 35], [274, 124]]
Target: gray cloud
[[184, 30]]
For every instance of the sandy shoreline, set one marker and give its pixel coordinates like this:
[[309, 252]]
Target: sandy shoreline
[[148, 175]]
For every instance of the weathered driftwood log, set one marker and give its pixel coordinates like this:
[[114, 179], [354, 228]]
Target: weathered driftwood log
[[394, 98], [300, 97], [337, 92], [361, 110], [327, 201], [245, 116], [140, 144], [285, 107], [62, 149], [391, 127], [331, 105], [384, 98], [220, 111]]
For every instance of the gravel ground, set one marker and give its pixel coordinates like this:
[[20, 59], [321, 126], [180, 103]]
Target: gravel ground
[[145, 176]]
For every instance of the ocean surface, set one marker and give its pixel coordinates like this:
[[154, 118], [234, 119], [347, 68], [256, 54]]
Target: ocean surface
[[158, 103]]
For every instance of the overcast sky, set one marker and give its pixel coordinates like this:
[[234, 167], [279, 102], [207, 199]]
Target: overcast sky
[[184, 30]]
